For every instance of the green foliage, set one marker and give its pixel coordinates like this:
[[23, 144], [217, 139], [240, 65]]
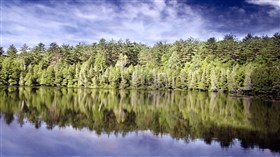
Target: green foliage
[[137, 78], [1, 51], [231, 77], [122, 61], [213, 81], [10, 72], [114, 77], [48, 77], [261, 79], [274, 77], [125, 77], [100, 63], [12, 51], [250, 65]]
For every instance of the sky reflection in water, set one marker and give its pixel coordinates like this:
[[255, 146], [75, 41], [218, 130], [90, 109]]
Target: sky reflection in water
[[28, 141], [85, 122]]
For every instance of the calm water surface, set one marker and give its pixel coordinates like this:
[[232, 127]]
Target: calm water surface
[[87, 122]]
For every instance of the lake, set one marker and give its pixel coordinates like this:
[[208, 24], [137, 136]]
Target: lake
[[49, 121]]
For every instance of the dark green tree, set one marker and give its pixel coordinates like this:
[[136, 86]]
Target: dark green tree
[[12, 51]]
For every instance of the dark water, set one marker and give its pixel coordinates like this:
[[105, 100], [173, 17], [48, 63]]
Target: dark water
[[87, 122]]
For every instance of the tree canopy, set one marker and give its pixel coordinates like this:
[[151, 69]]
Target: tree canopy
[[248, 65]]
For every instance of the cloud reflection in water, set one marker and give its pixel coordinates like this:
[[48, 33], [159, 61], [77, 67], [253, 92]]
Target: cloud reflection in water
[[28, 141]]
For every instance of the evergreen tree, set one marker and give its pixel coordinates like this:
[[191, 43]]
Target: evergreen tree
[[24, 49], [248, 65], [12, 51], [1, 51]]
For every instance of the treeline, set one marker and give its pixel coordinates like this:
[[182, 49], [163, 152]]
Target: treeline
[[230, 65]]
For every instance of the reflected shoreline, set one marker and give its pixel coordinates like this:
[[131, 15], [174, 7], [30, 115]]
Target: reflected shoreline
[[184, 115]]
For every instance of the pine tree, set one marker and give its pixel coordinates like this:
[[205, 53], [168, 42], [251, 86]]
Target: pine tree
[[1, 51], [214, 81], [12, 51], [231, 79]]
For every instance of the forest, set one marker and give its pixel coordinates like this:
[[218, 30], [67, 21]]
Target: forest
[[247, 66]]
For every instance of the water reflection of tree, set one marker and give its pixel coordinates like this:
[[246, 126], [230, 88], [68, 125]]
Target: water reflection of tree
[[183, 115]]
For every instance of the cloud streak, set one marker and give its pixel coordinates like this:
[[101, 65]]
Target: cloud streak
[[272, 3], [72, 22]]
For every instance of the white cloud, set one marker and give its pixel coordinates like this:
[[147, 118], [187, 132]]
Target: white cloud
[[88, 21], [273, 3]]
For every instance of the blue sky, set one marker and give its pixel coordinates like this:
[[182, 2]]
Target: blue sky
[[74, 21]]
